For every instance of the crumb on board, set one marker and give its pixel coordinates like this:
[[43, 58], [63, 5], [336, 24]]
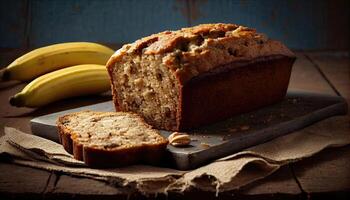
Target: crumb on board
[[205, 145], [232, 130], [293, 100], [244, 127]]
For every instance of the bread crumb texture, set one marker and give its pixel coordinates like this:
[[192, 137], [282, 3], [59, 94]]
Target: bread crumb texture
[[107, 130]]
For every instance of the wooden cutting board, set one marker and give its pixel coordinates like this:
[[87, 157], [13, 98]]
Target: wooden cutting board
[[297, 110]]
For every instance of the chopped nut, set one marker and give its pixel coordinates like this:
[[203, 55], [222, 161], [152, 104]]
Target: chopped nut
[[110, 146], [244, 128], [232, 130], [138, 83], [294, 101], [205, 145], [124, 79], [95, 119], [128, 69], [159, 76], [149, 94], [179, 139], [171, 136]]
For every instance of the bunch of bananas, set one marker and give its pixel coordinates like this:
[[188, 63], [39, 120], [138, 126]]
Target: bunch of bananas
[[59, 71]]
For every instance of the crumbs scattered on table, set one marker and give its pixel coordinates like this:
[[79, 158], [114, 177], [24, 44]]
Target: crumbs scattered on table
[[244, 128], [227, 136], [232, 130], [269, 118], [293, 100], [205, 145]]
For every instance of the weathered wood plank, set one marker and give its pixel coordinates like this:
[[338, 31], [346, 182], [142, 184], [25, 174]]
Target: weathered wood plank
[[63, 186], [319, 174], [327, 171], [336, 68], [18, 181], [305, 76]]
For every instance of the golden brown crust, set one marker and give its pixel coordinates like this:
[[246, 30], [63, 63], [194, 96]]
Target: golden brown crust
[[100, 157], [195, 50], [259, 83]]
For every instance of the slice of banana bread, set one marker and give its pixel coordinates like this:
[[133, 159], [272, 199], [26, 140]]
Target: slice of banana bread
[[182, 79], [110, 139]]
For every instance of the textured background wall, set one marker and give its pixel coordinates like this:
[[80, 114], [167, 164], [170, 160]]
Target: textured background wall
[[301, 24]]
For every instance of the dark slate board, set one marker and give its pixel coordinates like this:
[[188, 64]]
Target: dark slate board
[[297, 110]]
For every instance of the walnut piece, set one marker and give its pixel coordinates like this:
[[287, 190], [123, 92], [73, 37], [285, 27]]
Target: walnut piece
[[179, 139]]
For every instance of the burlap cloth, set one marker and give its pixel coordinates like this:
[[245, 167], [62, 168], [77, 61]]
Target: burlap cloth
[[228, 173]]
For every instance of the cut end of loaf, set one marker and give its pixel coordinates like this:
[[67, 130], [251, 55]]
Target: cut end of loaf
[[107, 138], [144, 85]]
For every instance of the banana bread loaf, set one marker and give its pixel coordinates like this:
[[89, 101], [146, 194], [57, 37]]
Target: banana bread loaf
[[108, 139], [182, 79]]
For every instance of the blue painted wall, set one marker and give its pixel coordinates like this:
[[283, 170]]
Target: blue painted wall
[[13, 23], [301, 24]]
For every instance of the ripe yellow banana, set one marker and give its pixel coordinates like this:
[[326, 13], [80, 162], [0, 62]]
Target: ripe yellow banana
[[73, 81], [50, 58]]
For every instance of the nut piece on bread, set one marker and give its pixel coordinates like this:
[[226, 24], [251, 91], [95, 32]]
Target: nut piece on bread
[[178, 80], [110, 139]]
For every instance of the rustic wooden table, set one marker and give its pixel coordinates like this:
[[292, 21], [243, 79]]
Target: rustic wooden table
[[326, 174]]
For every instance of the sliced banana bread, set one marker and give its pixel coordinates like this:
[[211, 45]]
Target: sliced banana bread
[[182, 79], [110, 139]]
